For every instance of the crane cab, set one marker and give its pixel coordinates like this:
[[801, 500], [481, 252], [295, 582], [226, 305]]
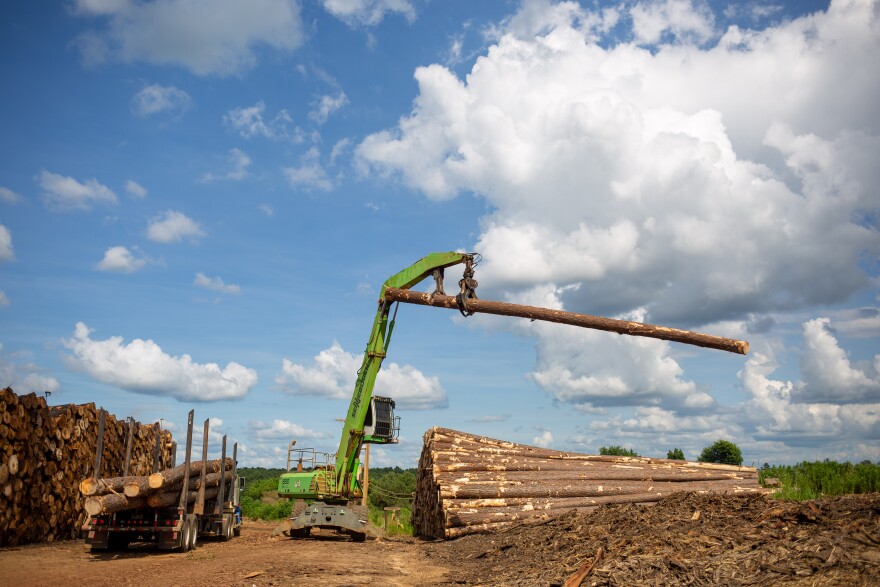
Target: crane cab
[[381, 426]]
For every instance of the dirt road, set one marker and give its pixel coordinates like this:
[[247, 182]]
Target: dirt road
[[253, 559]]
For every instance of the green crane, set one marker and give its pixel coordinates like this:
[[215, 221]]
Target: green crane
[[331, 487]]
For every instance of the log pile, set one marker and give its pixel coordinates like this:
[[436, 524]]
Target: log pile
[[161, 489], [45, 451], [468, 484]]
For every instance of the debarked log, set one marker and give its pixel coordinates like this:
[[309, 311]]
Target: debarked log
[[561, 317]]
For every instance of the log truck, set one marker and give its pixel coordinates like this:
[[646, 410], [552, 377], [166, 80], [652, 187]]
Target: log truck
[[177, 526], [331, 488]]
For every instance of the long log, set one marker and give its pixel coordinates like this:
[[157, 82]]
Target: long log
[[163, 479], [408, 296], [112, 502], [141, 485], [172, 498]]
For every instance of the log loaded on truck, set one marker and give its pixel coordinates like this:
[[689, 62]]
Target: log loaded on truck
[[326, 487], [172, 508]]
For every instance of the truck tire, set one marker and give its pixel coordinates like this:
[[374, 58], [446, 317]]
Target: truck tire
[[236, 531], [183, 535], [194, 532]]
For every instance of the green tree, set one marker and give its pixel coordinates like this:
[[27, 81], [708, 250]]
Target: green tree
[[617, 451], [722, 451], [675, 453]]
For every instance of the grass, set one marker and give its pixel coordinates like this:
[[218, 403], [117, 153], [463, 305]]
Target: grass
[[809, 480]]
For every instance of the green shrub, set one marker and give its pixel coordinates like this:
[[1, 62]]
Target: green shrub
[[617, 451], [722, 451]]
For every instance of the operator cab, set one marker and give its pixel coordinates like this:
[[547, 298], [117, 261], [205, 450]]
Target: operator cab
[[381, 425]]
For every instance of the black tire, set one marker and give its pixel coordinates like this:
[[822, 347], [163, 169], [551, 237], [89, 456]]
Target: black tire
[[301, 533], [358, 536], [236, 531]]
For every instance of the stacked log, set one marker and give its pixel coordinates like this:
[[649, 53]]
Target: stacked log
[[45, 451], [468, 484], [161, 489]]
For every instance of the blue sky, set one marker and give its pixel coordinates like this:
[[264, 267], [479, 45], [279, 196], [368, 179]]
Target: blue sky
[[200, 199]]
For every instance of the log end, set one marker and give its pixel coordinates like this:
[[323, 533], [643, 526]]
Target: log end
[[131, 490], [156, 481], [93, 506]]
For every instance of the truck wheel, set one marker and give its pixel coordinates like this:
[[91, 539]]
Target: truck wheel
[[236, 531], [183, 535], [358, 536], [194, 532]]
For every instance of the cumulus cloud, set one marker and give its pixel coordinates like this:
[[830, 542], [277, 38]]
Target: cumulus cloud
[[334, 371], [4, 300], [135, 190], [172, 226], [63, 193], [141, 366], [8, 196], [154, 98], [216, 284], [18, 371], [283, 429], [219, 37], [326, 106], [249, 122], [368, 12], [683, 20], [310, 174], [544, 439], [120, 260], [828, 375], [238, 164], [699, 182], [6, 251]]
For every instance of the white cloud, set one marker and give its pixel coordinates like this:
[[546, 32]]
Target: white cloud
[[120, 260], [248, 122], [828, 375], [142, 367], [778, 416], [172, 226], [218, 37], [63, 193], [18, 371], [154, 98], [310, 175], [368, 12], [4, 301], [6, 252], [135, 190], [8, 196], [544, 439], [701, 183], [216, 284], [686, 20], [326, 106], [267, 210], [334, 372], [283, 429], [238, 164]]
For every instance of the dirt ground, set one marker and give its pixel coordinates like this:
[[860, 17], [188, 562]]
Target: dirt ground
[[686, 539]]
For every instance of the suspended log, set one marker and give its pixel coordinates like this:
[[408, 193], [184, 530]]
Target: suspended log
[[468, 483], [561, 317], [141, 485]]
